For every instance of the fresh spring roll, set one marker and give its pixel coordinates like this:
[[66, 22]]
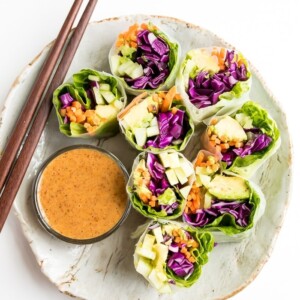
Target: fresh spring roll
[[171, 253], [157, 121], [159, 184], [213, 81], [88, 106], [145, 59], [227, 206], [244, 140]]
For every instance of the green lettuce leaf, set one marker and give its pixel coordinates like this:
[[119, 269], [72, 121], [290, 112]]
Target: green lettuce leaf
[[246, 166], [80, 80], [77, 90]]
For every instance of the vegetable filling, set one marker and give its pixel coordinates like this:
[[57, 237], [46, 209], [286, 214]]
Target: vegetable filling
[[144, 57], [206, 86], [158, 121]]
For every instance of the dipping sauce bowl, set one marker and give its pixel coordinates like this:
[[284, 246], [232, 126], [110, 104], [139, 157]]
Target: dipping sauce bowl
[[80, 194]]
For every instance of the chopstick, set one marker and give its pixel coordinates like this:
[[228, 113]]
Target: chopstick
[[17, 173], [34, 96]]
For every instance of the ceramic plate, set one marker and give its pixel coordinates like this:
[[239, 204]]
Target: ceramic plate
[[105, 270]]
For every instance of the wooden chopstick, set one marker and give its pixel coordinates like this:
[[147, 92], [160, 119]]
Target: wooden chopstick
[[16, 176], [35, 94]]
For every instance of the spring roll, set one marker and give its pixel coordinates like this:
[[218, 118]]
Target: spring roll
[[213, 81], [145, 59], [157, 121], [88, 106], [244, 140], [171, 253], [227, 206], [159, 184]]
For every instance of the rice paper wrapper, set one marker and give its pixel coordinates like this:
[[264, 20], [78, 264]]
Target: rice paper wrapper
[[250, 116], [155, 77], [178, 144], [102, 122], [221, 102], [166, 211], [229, 220], [159, 270]]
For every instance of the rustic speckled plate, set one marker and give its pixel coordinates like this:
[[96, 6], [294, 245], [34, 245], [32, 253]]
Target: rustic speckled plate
[[105, 269]]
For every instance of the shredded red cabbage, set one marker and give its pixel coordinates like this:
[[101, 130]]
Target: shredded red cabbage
[[180, 265], [176, 261], [94, 84], [66, 100], [170, 208], [172, 129], [240, 210], [204, 90], [257, 141], [158, 182], [153, 54], [173, 247]]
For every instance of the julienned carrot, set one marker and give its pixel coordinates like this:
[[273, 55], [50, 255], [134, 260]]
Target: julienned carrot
[[128, 37], [144, 26], [88, 118], [168, 98], [174, 110], [220, 55], [177, 97], [186, 245], [200, 158], [171, 93]]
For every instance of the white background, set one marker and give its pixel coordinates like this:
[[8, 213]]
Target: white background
[[265, 31]]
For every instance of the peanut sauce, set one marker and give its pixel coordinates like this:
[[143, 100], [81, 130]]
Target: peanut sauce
[[82, 193]]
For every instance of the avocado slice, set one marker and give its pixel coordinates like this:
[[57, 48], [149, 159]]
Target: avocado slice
[[229, 188], [231, 129]]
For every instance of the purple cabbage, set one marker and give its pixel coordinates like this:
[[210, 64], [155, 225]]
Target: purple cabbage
[[166, 238], [66, 100], [180, 265], [174, 248], [158, 182], [239, 210], [153, 226], [257, 141], [169, 209], [260, 142], [153, 55], [171, 129], [204, 90], [94, 84]]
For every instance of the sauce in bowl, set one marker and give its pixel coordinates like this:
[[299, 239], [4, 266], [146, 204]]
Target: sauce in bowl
[[80, 194]]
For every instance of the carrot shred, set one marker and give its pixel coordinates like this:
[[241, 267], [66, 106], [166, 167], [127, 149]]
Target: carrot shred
[[177, 97], [167, 101], [200, 158], [144, 26]]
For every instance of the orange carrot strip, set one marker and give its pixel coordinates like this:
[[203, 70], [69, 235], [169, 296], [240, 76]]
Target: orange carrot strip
[[200, 158], [177, 97], [174, 110], [167, 102]]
